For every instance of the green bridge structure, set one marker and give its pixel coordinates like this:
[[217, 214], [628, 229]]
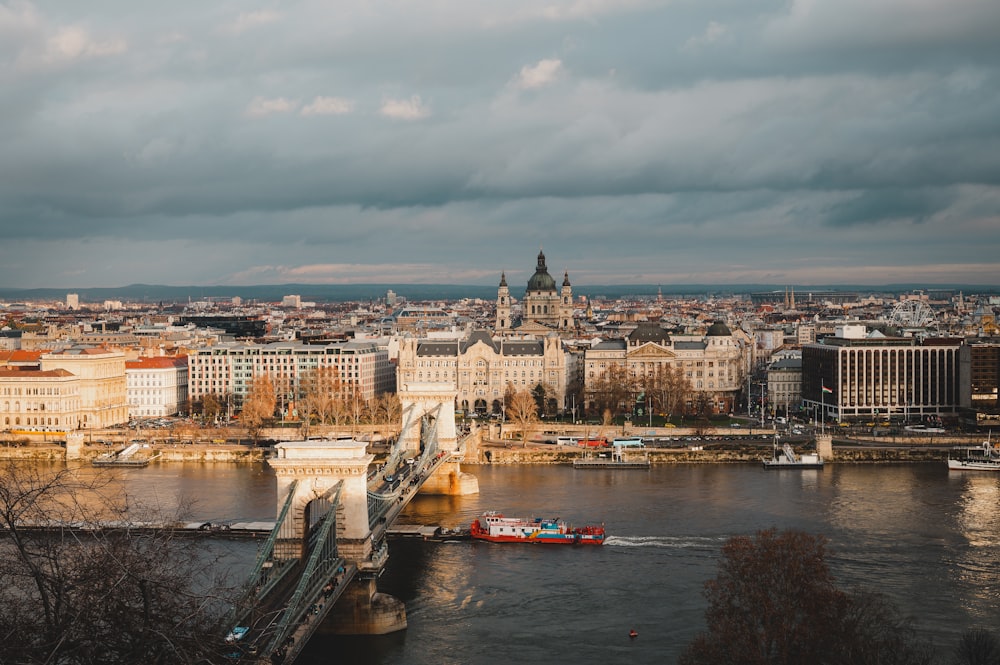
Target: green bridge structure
[[317, 571]]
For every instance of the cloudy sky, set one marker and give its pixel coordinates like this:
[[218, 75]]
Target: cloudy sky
[[442, 141]]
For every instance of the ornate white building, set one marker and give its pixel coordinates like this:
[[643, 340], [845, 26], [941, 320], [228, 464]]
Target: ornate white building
[[76, 388], [714, 363], [481, 367]]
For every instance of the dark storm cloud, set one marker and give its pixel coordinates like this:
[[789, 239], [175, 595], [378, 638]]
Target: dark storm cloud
[[675, 138], [879, 205]]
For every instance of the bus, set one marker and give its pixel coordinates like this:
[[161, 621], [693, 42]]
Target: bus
[[628, 442]]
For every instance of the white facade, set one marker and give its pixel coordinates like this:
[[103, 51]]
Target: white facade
[[479, 368], [713, 364], [36, 400], [156, 387], [101, 375]]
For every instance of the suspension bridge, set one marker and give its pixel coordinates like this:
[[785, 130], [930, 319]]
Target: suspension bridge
[[318, 568]]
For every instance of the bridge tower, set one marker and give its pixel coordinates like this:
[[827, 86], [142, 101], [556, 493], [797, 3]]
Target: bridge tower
[[318, 466], [436, 401]]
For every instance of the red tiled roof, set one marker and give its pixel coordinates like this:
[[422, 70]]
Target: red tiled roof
[[161, 362], [19, 356], [32, 373]]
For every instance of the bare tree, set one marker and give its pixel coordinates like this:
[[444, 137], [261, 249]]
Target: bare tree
[[774, 600], [613, 390], [357, 408], [340, 411], [522, 411], [667, 387], [211, 407], [320, 388], [99, 595], [386, 409], [258, 407], [977, 647]]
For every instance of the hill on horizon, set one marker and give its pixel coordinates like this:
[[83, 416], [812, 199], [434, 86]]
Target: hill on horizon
[[153, 293]]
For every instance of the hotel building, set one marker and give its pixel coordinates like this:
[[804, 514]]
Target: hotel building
[[856, 375]]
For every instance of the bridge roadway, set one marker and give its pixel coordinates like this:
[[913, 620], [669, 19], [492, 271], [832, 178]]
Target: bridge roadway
[[287, 600]]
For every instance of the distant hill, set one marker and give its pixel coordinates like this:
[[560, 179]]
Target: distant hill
[[155, 293]]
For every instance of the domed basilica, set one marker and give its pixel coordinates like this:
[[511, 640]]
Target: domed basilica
[[544, 309]]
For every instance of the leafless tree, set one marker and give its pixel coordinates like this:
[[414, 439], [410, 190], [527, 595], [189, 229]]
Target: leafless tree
[[258, 407], [522, 411], [977, 647], [775, 601], [211, 407], [386, 409], [613, 390], [320, 388], [98, 595], [668, 388]]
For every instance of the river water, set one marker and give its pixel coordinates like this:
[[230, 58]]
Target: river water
[[928, 538]]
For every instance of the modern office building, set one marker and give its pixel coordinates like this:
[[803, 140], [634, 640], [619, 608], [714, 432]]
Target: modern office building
[[855, 375], [979, 371]]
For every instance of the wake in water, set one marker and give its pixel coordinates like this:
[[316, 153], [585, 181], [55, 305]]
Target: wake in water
[[671, 542]]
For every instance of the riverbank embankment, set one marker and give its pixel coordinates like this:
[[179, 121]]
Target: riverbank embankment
[[506, 453]]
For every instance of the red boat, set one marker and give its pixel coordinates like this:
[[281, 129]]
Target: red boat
[[496, 528]]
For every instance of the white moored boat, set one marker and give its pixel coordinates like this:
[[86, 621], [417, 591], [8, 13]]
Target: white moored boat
[[785, 458], [975, 458]]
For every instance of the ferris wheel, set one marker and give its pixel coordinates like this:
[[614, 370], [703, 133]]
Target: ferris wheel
[[912, 314]]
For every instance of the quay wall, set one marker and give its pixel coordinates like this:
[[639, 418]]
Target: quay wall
[[494, 451], [743, 455]]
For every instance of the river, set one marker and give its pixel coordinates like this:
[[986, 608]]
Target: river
[[928, 538]]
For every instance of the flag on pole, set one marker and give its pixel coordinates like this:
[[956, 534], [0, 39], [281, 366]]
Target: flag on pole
[[826, 390]]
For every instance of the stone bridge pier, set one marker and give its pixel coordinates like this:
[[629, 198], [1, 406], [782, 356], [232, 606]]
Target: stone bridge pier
[[437, 402], [318, 466]]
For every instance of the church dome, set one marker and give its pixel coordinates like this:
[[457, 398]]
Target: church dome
[[718, 329], [541, 280]]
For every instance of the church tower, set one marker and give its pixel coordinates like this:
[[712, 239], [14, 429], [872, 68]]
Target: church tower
[[566, 305], [503, 326]]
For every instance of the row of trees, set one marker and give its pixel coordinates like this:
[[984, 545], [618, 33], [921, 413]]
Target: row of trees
[[665, 390], [320, 398]]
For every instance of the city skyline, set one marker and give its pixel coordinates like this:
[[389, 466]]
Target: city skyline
[[636, 142]]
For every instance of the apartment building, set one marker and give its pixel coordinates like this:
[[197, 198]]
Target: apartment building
[[362, 368]]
